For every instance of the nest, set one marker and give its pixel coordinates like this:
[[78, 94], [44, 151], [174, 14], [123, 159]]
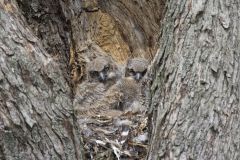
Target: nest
[[115, 135]]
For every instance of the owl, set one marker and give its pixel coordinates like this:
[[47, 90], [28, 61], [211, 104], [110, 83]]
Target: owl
[[136, 68], [132, 85], [102, 72], [126, 94]]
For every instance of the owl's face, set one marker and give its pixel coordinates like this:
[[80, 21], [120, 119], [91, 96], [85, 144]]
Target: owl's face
[[101, 70], [136, 68]]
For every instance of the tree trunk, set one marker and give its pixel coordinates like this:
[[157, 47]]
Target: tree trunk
[[195, 89], [194, 94], [36, 119]]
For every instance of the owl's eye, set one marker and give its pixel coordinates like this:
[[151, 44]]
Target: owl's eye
[[132, 71], [144, 72], [93, 73], [106, 68]]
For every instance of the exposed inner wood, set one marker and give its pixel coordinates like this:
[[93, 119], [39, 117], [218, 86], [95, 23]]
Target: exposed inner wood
[[121, 29]]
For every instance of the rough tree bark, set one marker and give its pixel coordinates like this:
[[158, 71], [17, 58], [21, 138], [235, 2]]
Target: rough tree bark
[[36, 119], [195, 91], [49, 21], [39, 41]]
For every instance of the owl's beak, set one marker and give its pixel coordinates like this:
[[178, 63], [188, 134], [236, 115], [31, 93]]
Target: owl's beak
[[102, 76], [138, 76]]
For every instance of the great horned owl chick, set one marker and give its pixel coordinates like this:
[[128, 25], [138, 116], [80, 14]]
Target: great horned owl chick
[[127, 93], [136, 68], [131, 86], [102, 73]]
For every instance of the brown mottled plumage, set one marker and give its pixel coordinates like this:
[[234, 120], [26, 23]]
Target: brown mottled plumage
[[125, 95], [131, 86], [102, 73], [101, 106]]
